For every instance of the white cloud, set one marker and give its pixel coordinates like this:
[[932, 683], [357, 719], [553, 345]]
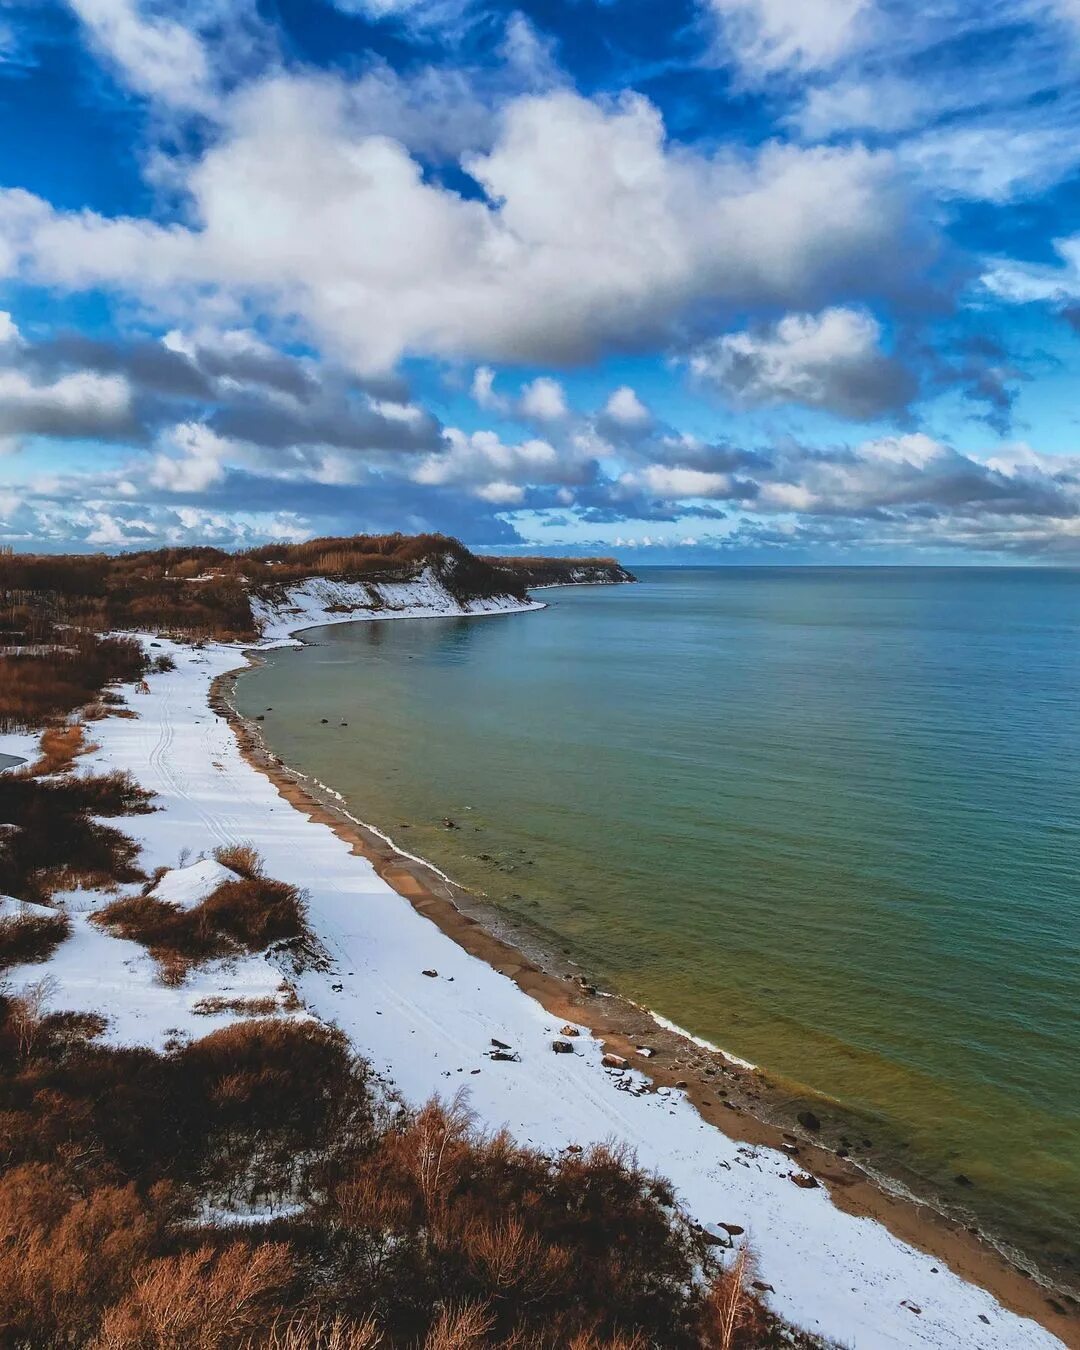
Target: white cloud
[[771, 35], [1023, 282], [9, 330], [80, 404], [595, 232], [191, 460], [154, 55], [626, 409], [483, 464], [671, 483], [993, 162], [501, 494], [832, 360], [483, 391], [544, 400]]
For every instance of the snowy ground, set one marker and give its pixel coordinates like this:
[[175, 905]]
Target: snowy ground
[[840, 1276]]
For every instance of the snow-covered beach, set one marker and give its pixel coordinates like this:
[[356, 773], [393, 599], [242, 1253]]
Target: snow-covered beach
[[424, 1011]]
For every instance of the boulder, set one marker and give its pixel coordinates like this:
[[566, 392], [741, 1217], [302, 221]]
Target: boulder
[[646, 1051], [431, 974], [805, 1181], [613, 1062], [562, 1047], [499, 1045], [808, 1121], [568, 1030]]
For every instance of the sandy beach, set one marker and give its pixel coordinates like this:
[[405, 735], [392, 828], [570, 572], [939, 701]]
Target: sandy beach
[[424, 988]]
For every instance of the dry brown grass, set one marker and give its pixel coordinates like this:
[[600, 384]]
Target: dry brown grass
[[241, 859], [58, 842], [26, 938], [239, 1007], [60, 746], [245, 915]]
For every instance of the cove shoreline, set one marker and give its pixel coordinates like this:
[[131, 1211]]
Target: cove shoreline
[[746, 1097]]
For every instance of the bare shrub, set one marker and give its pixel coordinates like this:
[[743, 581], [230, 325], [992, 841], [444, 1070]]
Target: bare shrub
[[26, 1014], [57, 841], [241, 1007], [27, 938], [63, 1257], [735, 1319], [242, 859], [60, 746], [245, 915], [201, 1300], [52, 679], [318, 1333], [460, 1328]]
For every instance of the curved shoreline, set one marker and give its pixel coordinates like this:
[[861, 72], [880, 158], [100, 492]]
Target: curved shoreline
[[681, 1060]]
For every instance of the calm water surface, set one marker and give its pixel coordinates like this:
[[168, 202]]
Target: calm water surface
[[829, 820]]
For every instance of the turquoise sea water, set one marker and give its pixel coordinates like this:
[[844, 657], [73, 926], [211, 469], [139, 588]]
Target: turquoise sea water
[[828, 819]]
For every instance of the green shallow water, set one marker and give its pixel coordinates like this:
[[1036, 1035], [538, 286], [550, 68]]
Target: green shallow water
[[827, 819]]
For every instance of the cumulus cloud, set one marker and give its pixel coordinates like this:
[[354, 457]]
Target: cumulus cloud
[[483, 391], [593, 232], [625, 409], [543, 400], [484, 465], [832, 361], [192, 459]]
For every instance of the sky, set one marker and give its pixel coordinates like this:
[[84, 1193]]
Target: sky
[[753, 281]]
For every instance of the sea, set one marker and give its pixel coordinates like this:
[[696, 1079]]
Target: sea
[[826, 819]]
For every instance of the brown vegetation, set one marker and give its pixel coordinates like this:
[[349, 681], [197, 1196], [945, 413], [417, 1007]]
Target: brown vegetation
[[412, 1230], [239, 858], [53, 840], [31, 937], [203, 592], [245, 915], [53, 679]]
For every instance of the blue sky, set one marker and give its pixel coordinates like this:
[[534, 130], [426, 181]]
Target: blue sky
[[747, 280]]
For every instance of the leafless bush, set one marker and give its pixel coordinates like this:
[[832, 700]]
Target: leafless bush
[[460, 1328], [317, 1333], [26, 938], [201, 1300], [242, 859]]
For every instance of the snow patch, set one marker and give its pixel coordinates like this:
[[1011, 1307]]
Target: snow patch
[[10, 908], [189, 886]]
